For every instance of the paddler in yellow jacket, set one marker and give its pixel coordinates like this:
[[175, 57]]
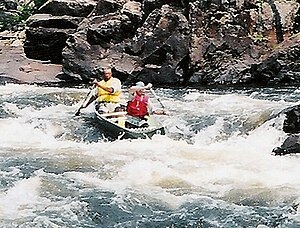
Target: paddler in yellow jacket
[[107, 94]]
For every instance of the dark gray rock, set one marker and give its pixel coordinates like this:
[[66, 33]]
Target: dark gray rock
[[75, 8], [108, 6], [111, 28], [290, 146], [162, 45], [291, 126], [156, 52], [291, 123], [46, 43], [173, 42], [49, 21], [84, 62], [46, 36]]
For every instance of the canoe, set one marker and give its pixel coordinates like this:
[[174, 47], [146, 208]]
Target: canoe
[[120, 125]]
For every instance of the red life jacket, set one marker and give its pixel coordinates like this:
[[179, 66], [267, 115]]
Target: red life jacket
[[138, 106]]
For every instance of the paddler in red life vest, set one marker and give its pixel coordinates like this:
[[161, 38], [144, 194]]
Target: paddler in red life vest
[[108, 91], [140, 105]]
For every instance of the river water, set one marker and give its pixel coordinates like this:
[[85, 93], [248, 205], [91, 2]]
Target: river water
[[214, 168]]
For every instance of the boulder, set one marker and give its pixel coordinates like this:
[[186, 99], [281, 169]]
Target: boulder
[[162, 45], [112, 28], [74, 8], [108, 6], [153, 53], [291, 126], [291, 145], [84, 62], [46, 36]]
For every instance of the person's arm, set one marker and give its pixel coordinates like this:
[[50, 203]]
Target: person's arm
[[150, 107], [108, 89], [153, 110], [114, 88]]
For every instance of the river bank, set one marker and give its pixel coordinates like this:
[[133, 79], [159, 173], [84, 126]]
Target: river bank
[[15, 67]]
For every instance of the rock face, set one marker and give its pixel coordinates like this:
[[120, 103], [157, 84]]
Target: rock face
[[74, 8], [291, 126], [170, 42], [45, 42]]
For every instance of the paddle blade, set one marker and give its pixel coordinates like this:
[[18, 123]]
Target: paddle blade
[[77, 113], [90, 97]]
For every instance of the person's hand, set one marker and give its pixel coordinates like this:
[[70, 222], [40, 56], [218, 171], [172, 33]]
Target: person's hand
[[95, 82], [148, 86], [161, 112], [166, 112]]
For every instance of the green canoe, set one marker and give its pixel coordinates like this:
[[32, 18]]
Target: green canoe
[[120, 125]]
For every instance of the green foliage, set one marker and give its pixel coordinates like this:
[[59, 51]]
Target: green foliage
[[2, 25], [258, 38], [24, 12]]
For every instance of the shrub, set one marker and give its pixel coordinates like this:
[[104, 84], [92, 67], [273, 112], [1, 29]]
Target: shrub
[[17, 20]]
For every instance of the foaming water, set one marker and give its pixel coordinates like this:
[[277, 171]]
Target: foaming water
[[214, 168]]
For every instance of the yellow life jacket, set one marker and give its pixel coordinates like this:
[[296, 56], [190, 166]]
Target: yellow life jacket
[[105, 96]]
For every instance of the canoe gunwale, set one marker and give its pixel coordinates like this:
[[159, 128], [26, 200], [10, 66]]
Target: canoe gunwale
[[113, 129]]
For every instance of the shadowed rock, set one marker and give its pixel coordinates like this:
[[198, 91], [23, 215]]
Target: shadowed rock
[[291, 126], [290, 146], [46, 36]]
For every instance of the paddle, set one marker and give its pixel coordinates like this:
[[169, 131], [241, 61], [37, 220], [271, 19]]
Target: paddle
[[164, 111], [157, 98], [85, 103]]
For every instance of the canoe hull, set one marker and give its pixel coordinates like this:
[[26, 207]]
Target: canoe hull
[[115, 127]]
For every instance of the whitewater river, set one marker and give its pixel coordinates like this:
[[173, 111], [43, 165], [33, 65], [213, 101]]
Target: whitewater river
[[214, 168]]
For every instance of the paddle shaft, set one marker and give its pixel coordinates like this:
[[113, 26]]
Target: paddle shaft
[[83, 101], [157, 98]]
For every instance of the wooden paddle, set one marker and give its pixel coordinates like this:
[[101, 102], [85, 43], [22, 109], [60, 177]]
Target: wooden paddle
[[85, 103]]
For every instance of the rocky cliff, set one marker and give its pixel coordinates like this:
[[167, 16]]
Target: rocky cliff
[[178, 42]]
